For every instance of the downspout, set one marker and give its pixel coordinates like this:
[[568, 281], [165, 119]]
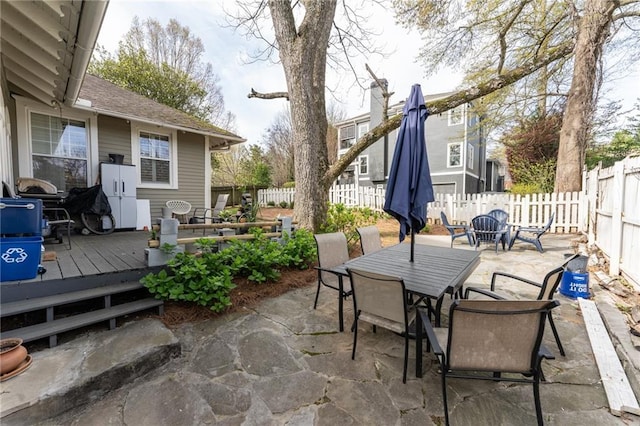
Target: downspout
[[91, 16]]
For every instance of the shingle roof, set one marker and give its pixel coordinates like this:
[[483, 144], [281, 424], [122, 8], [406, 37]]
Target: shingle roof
[[109, 99]]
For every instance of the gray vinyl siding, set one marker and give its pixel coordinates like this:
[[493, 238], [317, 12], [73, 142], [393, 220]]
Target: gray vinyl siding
[[191, 176], [114, 137]]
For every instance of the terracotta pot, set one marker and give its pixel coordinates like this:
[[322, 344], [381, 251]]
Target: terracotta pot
[[12, 353]]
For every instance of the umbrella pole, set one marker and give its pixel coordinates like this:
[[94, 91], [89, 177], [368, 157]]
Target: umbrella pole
[[413, 242]]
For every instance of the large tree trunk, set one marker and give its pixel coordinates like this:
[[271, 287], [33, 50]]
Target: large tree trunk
[[303, 52], [593, 31]]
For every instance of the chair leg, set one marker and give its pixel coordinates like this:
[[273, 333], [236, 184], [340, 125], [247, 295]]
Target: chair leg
[[315, 304], [513, 239], [444, 396], [555, 334], [538, 245], [536, 397], [406, 354], [355, 337], [340, 303]]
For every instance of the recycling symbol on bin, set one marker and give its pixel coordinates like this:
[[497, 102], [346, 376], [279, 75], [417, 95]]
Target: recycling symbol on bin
[[14, 255]]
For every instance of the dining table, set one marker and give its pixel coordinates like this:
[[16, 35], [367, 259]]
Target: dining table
[[435, 272]]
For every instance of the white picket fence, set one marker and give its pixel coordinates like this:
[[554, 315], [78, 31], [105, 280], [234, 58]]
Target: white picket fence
[[527, 210]]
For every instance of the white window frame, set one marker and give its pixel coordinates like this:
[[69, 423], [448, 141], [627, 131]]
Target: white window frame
[[136, 129], [24, 108], [366, 161], [455, 116], [363, 128], [341, 139], [470, 154], [449, 146]]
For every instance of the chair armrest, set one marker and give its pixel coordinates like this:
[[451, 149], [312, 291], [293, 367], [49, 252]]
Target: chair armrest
[[545, 353], [57, 210], [514, 277], [531, 229], [456, 227], [431, 335], [321, 269], [204, 212], [483, 291]]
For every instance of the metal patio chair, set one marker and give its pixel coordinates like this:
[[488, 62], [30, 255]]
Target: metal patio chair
[[333, 251], [548, 289], [532, 234], [381, 300], [454, 230], [369, 239], [202, 214], [486, 338]]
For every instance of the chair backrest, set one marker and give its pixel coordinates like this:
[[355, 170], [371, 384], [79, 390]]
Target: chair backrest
[[179, 206], [380, 295], [35, 186], [444, 219], [496, 335], [221, 203], [550, 283], [548, 225], [332, 251], [369, 239], [487, 225], [499, 214]]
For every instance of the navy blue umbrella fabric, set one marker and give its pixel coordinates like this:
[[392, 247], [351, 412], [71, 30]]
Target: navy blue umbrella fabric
[[409, 188]]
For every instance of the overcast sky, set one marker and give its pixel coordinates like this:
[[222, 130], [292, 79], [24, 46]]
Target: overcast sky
[[227, 51]]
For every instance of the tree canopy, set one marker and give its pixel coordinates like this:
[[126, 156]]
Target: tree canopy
[[165, 64]]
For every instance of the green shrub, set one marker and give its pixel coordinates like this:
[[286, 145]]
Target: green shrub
[[207, 280], [271, 203], [525, 188], [283, 204], [190, 280], [291, 205], [289, 185], [347, 219]]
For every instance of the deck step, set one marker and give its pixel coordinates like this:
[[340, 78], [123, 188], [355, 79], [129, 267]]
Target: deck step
[[51, 328], [29, 305]]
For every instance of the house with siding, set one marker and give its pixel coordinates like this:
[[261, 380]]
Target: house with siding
[[456, 148], [59, 124]]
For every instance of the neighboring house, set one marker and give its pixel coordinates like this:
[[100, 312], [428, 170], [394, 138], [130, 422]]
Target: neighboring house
[[59, 124], [455, 140]]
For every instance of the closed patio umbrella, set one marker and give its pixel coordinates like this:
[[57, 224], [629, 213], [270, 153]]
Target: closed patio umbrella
[[409, 188]]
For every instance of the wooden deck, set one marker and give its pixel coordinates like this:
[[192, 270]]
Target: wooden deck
[[95, 255]]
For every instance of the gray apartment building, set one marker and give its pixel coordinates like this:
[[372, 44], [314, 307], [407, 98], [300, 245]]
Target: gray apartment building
[[456, 148]]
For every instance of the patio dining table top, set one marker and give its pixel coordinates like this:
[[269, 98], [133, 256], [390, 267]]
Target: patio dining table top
[[434, 272]]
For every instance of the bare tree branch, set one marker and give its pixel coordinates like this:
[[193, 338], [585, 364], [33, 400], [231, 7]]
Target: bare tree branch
[[442, 105], [272, 95]]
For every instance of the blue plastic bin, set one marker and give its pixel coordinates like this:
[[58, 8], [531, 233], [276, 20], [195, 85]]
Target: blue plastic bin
[[575, 284], [19, 258], [20, 216]]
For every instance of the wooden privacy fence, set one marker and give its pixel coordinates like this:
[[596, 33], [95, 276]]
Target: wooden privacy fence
[[526, 210], [613, 196]]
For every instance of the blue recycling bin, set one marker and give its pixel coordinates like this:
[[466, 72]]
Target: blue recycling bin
[[19, 258], [575, 279], [20, 217]]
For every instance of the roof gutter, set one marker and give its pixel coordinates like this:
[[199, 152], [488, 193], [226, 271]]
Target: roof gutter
[[91, 16], [229, 138]]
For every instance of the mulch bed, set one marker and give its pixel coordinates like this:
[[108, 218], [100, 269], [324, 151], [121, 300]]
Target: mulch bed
[[246, 295]]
